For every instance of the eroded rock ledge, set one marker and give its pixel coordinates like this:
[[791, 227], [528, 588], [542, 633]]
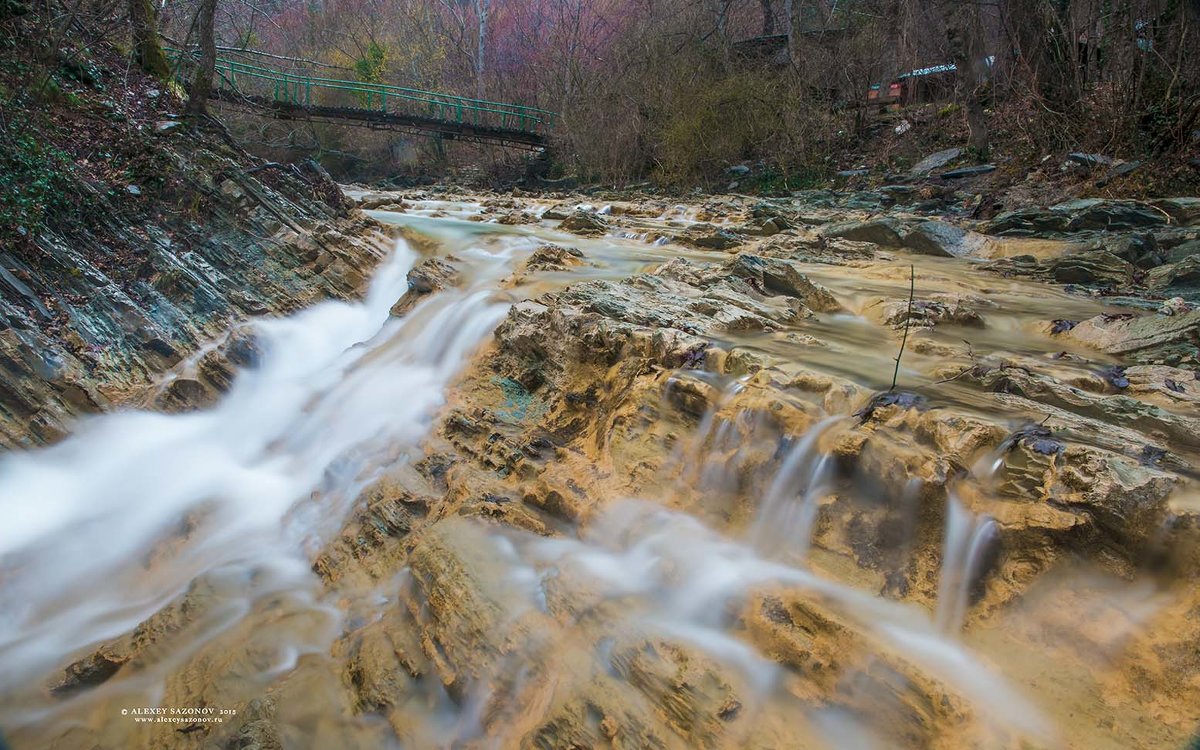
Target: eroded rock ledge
[[689, 384]]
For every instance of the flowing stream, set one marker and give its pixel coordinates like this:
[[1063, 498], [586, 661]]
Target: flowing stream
[[226, 509]]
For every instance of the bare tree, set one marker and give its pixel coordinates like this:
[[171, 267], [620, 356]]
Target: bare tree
[[768, 21], [789, 23], [482, 7], [147, 51], [964, 42], [202, 80]]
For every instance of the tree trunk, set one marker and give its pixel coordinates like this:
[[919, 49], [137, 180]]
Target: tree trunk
[[481, 13], [147, 52], [202, 80], [768, 27], [789, 22], [964, 41]]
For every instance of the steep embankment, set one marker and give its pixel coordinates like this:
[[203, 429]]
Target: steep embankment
[[132, 237]]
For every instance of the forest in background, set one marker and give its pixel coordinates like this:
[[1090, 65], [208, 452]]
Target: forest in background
[[678, 91]]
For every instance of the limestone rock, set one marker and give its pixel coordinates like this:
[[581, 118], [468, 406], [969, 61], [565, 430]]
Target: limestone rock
[[1183, 211], [584, 223], [512, 218], [939, 309], [1098, 268], [883, 232], [941, 239], [1027, 222], [550, 257], [1109, 215], [782, 277], [1183, 251], [1149, 339], [1078, 215], [428, 276], [1175, 277], [558, 212], [710, 237]]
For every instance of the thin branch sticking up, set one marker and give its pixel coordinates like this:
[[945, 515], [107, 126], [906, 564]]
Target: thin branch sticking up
[[912, 291]]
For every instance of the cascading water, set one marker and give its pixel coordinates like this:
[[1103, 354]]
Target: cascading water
[[494, 629], [784, 524], [676, 578], [235, 491], [966, 542]]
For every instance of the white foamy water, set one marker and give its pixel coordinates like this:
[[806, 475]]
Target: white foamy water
[[789, 509], [679, 579], [243, 486], [113, 524], [966, 541]]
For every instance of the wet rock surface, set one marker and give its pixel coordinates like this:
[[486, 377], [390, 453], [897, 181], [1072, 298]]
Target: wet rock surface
[[101, 313], [432, 275], [735, 378]]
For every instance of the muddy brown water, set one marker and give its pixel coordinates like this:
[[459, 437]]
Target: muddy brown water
[[212, 581]]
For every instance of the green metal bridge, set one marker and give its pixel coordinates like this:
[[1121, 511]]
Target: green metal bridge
[[291, 91]]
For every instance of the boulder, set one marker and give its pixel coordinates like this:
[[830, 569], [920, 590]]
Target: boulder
[[584, 223], [781, 277], [1183, 211], [432, 275], [428, 276], [766, 228], [935, 161], [939, 309], [1027, 222], [384, 201], [1176, 276], [1141, 250], [765, 209], [1150, 339], [1182, 251], [557, 213], [1092, 269], [512, 218], [883, 232], [941, 239], [550, 257], [1090, 214], [709, 237], [1097, 214]]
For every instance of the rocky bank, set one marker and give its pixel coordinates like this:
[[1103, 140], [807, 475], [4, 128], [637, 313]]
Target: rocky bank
[[1039, 443]]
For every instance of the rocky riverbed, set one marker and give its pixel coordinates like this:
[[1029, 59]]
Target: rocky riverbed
[[675, 499]]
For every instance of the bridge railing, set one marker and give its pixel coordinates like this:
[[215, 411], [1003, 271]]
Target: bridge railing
[[304, 89]]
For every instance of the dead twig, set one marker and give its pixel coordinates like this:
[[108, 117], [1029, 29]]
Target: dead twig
[[969, 368], [912, 290]]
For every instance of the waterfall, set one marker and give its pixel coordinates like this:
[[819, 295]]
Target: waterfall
[[967, 539], [232, 491], [516, 613], [784, 524]]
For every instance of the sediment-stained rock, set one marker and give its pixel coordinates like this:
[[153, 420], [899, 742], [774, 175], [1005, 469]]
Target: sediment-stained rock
[[691, 383], [1146, 339], [87, 330]]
